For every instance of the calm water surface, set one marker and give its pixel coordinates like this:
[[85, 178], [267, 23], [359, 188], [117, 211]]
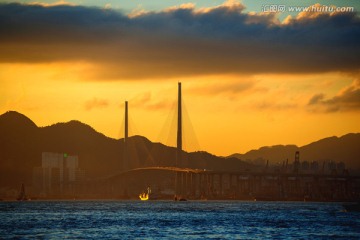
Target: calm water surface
[[181, 220]]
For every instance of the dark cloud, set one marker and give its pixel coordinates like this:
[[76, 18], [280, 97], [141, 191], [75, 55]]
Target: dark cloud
[[146, 101], [96, 103], [347, 100], [317, 98], [179, 42]]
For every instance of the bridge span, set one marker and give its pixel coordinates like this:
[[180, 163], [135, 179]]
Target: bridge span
[[197, 184]]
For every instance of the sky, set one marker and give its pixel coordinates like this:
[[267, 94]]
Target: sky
[[250, 77]]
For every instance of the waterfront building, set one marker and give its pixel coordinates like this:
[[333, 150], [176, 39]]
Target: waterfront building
[[58, 175]]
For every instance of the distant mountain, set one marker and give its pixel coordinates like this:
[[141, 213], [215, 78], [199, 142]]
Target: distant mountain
[[22, 142], [339, 149]]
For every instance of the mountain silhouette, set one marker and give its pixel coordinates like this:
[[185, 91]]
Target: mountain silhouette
[[338, 149], [22, 143]]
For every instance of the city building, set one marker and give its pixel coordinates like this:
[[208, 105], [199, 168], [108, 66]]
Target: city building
[[58, 175]]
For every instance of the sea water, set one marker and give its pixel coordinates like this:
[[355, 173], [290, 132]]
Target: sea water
[[176, 220]]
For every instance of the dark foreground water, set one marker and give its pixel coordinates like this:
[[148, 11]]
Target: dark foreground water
[[181, 220]]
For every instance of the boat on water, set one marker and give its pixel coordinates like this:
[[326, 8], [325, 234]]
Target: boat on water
[[22, 195], [179, 198], [352, 207], [144, 196]]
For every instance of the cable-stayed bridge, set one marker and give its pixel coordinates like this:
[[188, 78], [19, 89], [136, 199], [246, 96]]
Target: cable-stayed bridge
[[178, 180]]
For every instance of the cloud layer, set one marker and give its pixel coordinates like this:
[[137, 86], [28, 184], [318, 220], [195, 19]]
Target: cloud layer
[[347, 99], [95, 103], [180, 41]]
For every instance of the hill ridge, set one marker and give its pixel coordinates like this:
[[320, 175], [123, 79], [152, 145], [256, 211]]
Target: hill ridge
[[99, 155]]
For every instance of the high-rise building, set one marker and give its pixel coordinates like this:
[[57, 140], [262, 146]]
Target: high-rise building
[[58, 175]]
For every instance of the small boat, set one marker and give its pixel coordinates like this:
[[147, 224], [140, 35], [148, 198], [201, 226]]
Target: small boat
[[144, 196], [352, 207], [265, 198], [179, 198], [22, 196]]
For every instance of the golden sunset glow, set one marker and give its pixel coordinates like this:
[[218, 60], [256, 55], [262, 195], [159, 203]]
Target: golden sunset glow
[[237, 97], [264, 109]]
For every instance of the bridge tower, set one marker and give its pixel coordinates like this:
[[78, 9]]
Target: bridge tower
[[179, 177], [126, 135], [179, 162], [297, 162]]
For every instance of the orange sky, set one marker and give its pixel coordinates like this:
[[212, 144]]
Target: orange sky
[[233, 106], [269, 109]]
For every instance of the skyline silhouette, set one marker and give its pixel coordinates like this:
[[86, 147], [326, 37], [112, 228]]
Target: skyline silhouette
[[342, 148], [101, 163]]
